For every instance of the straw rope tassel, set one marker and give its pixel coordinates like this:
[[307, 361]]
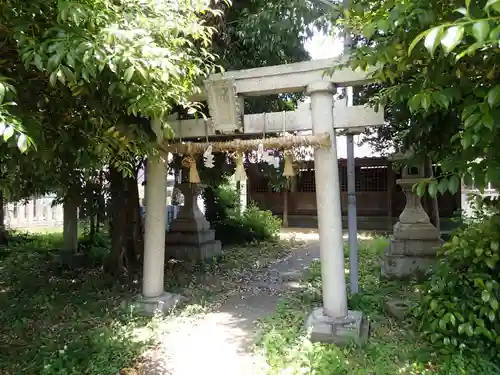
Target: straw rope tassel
[[190, 162], [239, 173], [194, 177], [288, 168]]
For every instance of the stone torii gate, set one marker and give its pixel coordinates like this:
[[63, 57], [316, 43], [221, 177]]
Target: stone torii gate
[[225, 93]]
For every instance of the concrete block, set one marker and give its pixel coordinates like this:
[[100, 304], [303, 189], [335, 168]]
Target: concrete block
[[353, 328], [162, 304], [398, 308]]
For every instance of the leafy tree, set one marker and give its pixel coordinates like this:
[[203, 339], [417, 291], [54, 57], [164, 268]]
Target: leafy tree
[[86, 77], [433, 96]]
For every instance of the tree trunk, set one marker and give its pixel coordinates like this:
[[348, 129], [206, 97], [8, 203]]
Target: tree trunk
[[285, 208], [434, 203], [3, 231], [70, 225], [101, 202], [431, 203], [91, 207], [125, 225], [211, 207], [435, 210]]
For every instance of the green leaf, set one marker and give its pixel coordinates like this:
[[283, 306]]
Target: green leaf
[[494, 304], [369, 30], [479, 251], [53, 78], [480, 30], [468, 111], [488, 121], [466, 140], [493, 96], [491, 316], [434, 304], [61, 77], [494, 246], [421, 188], [469, 330], [491, 263], [472, 120], [383, 25], [442, 324], [452, 319], [489, 285], [2, 92], [433, 189], [68, 73], [443, 185], [469, 50], [70, 60], [417, 40], [142, 72], [453, 184], [433, 38], [38, 62], [415, 102], [485, 296], [8, 132], [22, 143], [426, 102], [451, 38], [129, 73], [491, 3], [461, 328], [441, 99]]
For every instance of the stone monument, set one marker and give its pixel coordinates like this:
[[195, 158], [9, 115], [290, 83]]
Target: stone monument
[[189, 237], [415, 239]]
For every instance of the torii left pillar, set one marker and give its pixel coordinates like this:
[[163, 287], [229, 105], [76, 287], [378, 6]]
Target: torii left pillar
[[154, 298], [333, 322]]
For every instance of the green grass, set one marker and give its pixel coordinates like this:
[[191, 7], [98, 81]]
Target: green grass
[[60, 321], [68, 319], [393, 347]]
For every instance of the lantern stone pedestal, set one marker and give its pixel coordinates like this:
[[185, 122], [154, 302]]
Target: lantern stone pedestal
[[415, 240], [189, 237]]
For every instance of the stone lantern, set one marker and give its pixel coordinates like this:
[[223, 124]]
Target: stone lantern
[[415, 239], [189, 237]]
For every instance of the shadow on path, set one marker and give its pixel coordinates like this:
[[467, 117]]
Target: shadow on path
[[219, 342]]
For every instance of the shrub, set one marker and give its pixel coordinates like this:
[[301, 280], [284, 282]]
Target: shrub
[[459, 307], [254, 224], [233, 227]]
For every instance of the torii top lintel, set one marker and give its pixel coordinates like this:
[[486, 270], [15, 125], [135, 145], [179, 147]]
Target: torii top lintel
[[225, 93], [293, 77]]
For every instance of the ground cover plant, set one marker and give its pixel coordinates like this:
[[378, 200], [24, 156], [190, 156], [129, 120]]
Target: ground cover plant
[[68, 318], [394, 347]]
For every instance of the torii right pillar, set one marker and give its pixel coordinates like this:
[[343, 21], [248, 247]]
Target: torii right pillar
[[332, 323]]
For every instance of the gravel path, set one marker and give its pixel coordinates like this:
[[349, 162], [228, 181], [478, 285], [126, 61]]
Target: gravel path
[[219, 342]]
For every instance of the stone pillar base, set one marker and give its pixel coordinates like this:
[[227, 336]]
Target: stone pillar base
[[354, 328], [404, 267], [194, 252], [162, 304], [405, 258], [412, 231]]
